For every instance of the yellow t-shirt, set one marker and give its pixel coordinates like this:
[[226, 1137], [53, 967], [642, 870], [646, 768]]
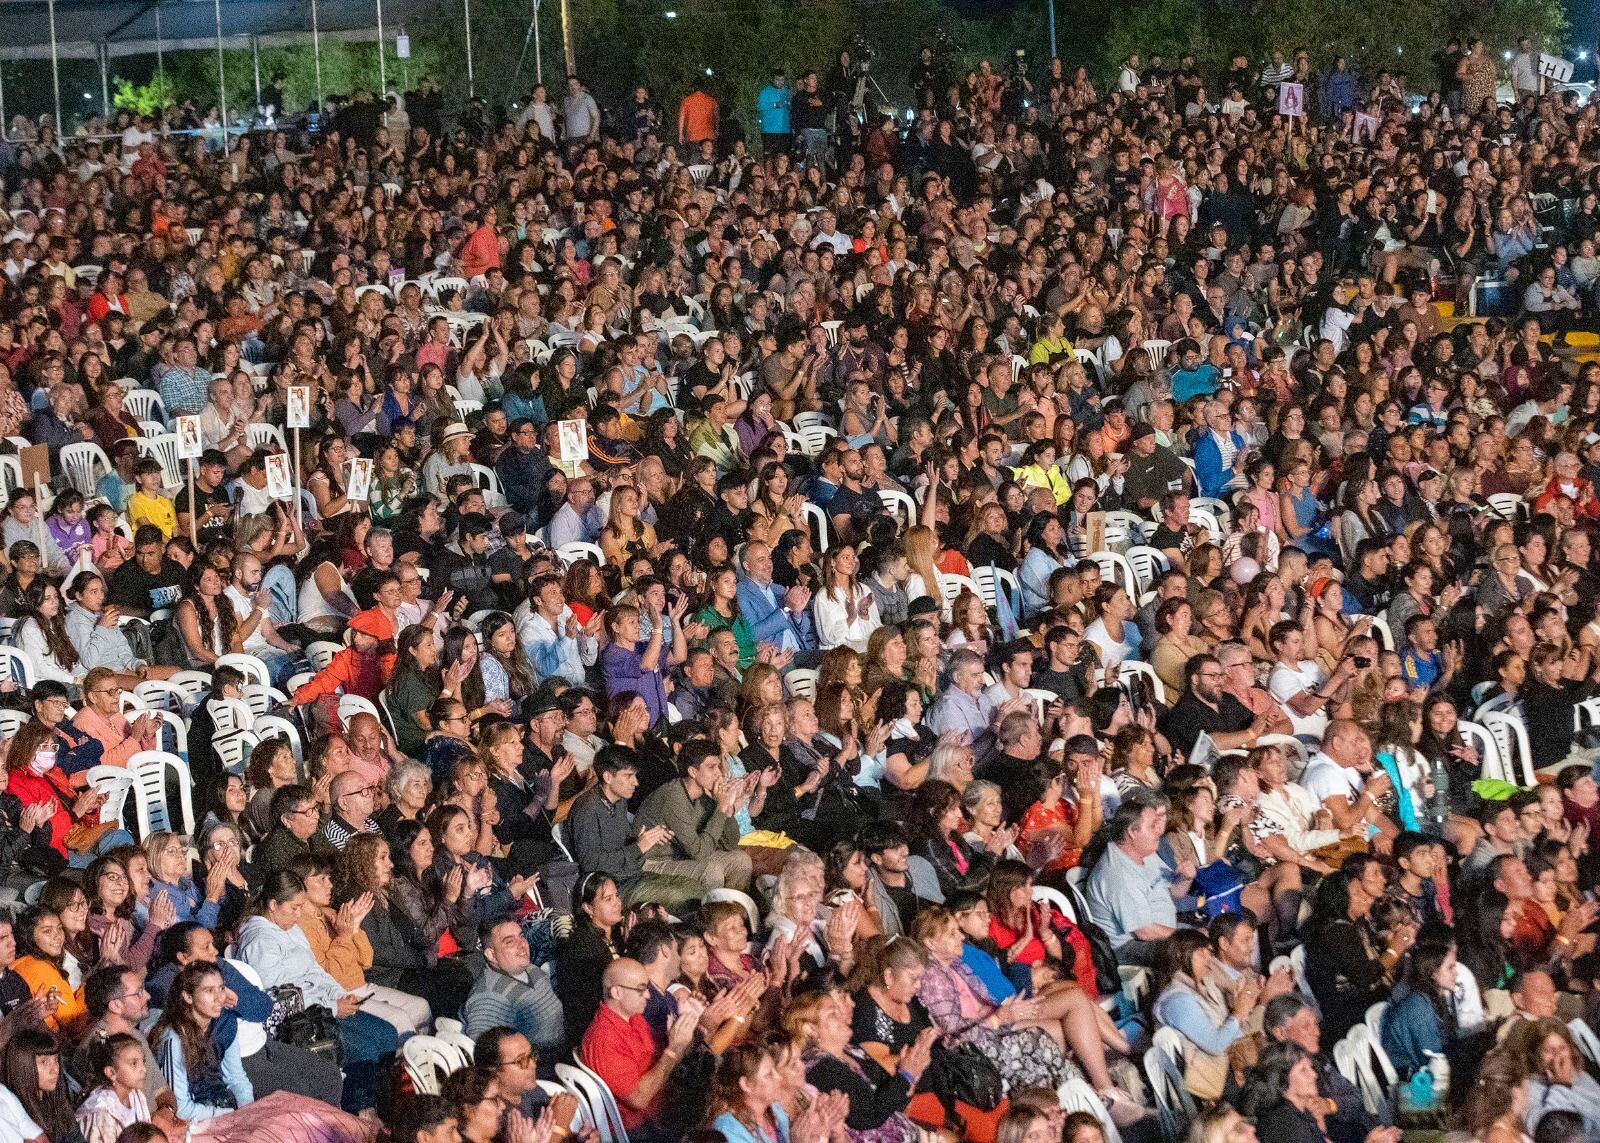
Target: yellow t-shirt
[[155, 510]]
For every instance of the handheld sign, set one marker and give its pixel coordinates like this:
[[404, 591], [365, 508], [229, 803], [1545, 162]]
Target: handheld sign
[[1555, 69], [1291, 99], [573, 440], [189, 442], [360, 487], [279, 484], [299, 410]]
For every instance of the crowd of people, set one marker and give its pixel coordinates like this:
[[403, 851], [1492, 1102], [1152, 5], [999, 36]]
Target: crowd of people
[[863, 634]]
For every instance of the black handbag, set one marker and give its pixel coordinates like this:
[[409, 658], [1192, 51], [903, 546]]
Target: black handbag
[[963, 1074], [314, 1029]]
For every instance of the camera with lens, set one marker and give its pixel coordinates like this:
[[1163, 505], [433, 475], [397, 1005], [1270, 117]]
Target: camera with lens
[[862, 53], [1019, 64]]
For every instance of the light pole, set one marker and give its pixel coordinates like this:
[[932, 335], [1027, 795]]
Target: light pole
[[1050, 7]]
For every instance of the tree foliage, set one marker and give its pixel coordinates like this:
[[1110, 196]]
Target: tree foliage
[[623, 42], [1398, 35]]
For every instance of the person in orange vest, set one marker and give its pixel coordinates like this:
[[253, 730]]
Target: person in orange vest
[[697, 118]]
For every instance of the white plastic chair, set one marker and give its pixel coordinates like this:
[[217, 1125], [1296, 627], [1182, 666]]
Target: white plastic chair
[[832, 328], [447, 286], [1163, 1069], [156, 694], [352, 705], [85, 463], [1075, 1094], [1511, 739], [1478, 737], [230, 716], [175, 722], [743, 900], [1374, 1074], [1148, 563], [1507, 505], [275, 726], [257, 434], [262, 699], [898, 505], [149, 769], [252, 667], [19, 667], [1383, 632], [1018, 364], [1374, 1018], [429, 1060], [699, 173], [1118, 570], [165, 449], [489, 483], [320, 653], [1157, 348], [592, 1090], [145, 405], [802, 682], [570, 554], [235, 749], [115, 781], [818, 520], [990, 580], [1124, 528], [1047, 895], [1583, 1035]]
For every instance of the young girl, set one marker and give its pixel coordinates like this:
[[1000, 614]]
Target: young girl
[[118, 1101], [148, 505], [108, 548], [68, 526]]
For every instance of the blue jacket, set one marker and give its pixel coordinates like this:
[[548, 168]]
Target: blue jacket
[[773, 106], [1209, 472], [1411, 1028], [763, 610], [1338, 94]]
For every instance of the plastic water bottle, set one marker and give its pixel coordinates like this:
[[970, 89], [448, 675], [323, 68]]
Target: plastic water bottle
[[1439, 1069], [1439, 810]]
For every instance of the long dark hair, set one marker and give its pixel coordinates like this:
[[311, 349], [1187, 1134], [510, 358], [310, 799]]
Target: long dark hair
[[471, 694], [1422, 966], [515, 664], [54, 630], [1268, 1085], [179, 1017], [51, 1110]]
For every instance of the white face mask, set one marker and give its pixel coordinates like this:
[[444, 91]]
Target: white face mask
[[43, 762]]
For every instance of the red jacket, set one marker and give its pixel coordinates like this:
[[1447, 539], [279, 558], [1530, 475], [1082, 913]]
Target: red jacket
[[354, 672], [31, 789]]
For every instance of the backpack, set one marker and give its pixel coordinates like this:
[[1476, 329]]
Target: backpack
[[1217, 886]]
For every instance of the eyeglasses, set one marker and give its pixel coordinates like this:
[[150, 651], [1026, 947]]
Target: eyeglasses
[[525, 1060], [632, 987], [302, 810]]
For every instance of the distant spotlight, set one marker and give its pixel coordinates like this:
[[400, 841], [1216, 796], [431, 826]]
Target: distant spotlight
[[1399, 51], [1583, 55], [1507, 55], [670, 14], [86, 95], [708, 71]]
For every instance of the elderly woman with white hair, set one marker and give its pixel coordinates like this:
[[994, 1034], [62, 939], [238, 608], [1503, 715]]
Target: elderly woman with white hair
[[951, 761], [797, 908], [409, 785]]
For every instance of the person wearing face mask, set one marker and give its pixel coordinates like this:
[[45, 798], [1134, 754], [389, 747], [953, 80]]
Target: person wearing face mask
[[47, 795]]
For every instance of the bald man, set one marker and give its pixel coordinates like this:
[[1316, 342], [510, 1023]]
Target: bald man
[[351, 797], [620, 1047]]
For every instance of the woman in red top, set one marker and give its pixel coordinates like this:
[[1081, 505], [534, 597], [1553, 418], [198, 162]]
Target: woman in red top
[[44, 789], [1031, 933]]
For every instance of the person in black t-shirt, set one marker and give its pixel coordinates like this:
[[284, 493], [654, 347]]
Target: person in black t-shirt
[[1063, 674], [1205, 706], [148, 582], [213, 509]]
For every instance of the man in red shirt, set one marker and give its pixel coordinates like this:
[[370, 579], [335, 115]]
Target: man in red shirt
[[620, 1048]]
